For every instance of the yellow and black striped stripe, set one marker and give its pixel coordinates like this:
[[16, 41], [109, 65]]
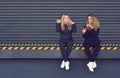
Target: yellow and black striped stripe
[[53, 47]]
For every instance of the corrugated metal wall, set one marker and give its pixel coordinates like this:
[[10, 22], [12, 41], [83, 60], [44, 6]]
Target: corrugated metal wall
[[34, 22]]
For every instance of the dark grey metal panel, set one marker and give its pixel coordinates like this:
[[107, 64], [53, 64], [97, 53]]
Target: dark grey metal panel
[[24, 22], [34, 22]]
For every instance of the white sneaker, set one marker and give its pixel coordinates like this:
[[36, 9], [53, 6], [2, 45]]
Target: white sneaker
[[62, 64], [94, 64], [67, 63], [90, 66]]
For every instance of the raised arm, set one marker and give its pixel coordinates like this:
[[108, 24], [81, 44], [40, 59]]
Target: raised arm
[[58, 25]]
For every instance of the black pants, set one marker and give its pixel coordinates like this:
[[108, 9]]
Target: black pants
[[92, 55], [66, 48]]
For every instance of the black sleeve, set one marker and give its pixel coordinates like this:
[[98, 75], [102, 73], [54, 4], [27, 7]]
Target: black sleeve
[[58, 27], [95, 32], [74, 28], [86, 34], [83, 35]]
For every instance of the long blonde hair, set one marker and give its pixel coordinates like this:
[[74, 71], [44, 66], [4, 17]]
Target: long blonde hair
[[63, 23], [95, 23]]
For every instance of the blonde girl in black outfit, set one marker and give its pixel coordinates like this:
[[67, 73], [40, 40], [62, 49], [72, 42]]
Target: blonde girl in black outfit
[[90, 34], [65, 26]]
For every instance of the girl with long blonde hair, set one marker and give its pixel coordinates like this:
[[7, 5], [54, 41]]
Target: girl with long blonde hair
[[90, 34], [66, 27]]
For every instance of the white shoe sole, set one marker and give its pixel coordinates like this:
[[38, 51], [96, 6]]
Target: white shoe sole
[[91, 69], [94, 65], [62, 65], [67, 65]]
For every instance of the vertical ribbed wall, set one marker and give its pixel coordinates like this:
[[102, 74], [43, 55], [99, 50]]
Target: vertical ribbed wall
[[34, 22]]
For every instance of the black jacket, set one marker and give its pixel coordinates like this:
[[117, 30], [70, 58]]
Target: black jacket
[[91, 36], [66, 34]]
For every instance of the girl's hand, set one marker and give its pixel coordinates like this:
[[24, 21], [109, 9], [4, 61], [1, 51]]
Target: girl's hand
[[89, 26], [72, 22], [58, 20]]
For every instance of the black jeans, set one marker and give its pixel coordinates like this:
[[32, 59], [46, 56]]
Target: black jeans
[[92, 55], [66, 48]]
